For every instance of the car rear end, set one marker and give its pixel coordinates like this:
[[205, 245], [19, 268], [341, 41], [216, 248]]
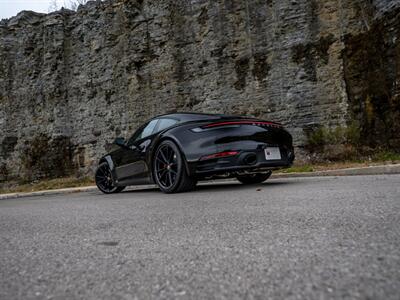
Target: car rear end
[[231, 146]]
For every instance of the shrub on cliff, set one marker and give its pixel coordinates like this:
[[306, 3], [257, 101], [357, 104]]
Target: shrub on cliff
[[344, 143]]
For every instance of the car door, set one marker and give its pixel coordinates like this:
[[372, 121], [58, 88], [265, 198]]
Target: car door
[[131, 167]]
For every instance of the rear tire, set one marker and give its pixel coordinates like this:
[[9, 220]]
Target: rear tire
[[104, 181], [169, 169], [254, 178]]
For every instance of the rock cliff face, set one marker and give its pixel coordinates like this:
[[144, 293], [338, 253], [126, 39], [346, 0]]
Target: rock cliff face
[[72, 81]]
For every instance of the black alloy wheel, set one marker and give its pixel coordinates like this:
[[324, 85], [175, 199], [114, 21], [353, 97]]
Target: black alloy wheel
[[254, 178], [169, 169], [104, 180]]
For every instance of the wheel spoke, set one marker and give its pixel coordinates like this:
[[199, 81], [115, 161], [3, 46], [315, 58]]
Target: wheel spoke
[[163, 156], [163, 172], [164, 150], [170, 154], [166, 166], [160, 160], [101, 179], [170, 178], [173, 157], [102, 171]]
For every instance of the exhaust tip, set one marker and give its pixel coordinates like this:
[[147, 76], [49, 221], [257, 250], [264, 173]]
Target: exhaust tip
[[250, 159]]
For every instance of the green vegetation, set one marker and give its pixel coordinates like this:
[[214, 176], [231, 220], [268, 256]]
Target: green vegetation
[[344, 144], [50, 184], [322, 136], [299, 169], [387, 155]]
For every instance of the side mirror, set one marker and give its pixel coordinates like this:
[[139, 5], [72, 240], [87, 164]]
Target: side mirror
[[120, 141]]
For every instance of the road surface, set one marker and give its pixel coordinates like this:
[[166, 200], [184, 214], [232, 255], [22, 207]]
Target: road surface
[[298, 238]]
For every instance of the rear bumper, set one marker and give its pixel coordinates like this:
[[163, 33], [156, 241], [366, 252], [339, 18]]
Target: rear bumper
[[246, 161]]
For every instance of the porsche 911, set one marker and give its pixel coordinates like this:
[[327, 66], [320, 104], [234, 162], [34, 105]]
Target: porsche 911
[[177, 150]]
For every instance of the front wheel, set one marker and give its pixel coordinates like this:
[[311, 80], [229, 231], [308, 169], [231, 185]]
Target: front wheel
[[169, 169], [104, 180], [254, 178]]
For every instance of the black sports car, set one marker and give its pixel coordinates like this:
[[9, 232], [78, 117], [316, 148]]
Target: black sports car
[[177, 150]]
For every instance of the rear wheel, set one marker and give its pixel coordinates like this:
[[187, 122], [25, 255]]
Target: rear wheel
[[104, 180], [254, 178], [169, 169]]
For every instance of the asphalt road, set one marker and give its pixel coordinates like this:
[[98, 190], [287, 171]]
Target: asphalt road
[[299, 238]]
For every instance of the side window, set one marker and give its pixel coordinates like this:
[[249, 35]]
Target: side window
[[143, 132], [165, 123], [148, 130]]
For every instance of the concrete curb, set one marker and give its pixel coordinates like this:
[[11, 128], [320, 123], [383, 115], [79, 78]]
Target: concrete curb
[[48, 192], [372, 170]]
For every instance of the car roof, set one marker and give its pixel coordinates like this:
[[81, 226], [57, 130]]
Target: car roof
[[188, 116]]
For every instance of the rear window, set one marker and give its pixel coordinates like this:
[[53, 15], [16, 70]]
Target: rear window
[[165, 123]]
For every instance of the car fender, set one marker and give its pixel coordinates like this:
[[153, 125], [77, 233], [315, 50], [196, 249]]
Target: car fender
[[108, 160], [167, 135]]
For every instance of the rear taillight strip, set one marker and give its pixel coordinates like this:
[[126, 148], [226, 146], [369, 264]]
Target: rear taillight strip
[[219, 124], [220, 155]]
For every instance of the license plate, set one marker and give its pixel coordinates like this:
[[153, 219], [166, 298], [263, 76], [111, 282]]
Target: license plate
[[272, 153]]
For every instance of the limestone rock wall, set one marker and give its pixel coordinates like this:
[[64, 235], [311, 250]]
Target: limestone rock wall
[[70, 82]]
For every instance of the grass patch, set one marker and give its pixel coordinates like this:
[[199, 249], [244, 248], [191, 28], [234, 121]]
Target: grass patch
[[299, 169], [385, 156], [379, 159], [50, 184]]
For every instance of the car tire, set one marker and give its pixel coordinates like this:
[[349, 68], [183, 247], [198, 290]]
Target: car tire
[[254, 178], [104, 182], [169, 169]]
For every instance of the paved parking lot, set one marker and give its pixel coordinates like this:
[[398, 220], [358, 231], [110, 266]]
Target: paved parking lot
[[299, 238]]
